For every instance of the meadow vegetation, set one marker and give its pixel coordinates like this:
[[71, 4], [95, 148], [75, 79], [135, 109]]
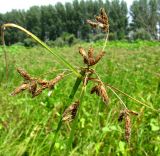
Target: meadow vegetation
[[28, 125]]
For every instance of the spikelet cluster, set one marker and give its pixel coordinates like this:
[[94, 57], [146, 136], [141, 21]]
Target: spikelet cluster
[[89, 58], [125, 115], [70, 113], [101, 91], [100, 21], [33, 85]]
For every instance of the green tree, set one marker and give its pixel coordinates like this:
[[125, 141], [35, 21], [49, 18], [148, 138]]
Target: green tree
[[145, 15]]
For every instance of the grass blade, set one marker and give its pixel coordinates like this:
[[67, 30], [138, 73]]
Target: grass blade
[[58, 57]]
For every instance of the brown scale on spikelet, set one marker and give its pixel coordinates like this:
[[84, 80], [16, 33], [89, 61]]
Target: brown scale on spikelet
[[101, 21], [19, 89], [24, 74], [84, 55], [52, 83], [100, 91], [70, 113], [92, 24], [89, 59], [121, 116], [127, 127], [42, 82], [38, 92], [99, 56], [125, 114], [32, 87], [91, 56]]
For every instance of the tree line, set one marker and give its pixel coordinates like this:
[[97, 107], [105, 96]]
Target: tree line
[[141, 20]]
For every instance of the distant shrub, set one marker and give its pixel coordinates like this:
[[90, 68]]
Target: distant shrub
[[28, 42], [112, 36], [59, 42], [141, 34]]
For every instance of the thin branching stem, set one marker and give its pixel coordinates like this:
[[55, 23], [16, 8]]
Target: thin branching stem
[[137, 101], [106, 40], [121, 101]]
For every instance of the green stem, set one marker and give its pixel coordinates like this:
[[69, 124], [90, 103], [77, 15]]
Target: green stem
[[73, 92], [58, 57], [74, 124]]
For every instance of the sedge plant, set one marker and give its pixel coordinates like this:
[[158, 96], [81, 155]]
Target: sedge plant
[[85, 75]]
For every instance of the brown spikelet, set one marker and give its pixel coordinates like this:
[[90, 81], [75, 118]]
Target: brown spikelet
[[91, 56], [19, 89], [38, 92], [24, 74], [32, 87], [127, 127], [92, 24], [52, 83], [132, 112], [99, 56], [99, 19], [70, 113], [102, 21], [103, 94], [103, 16], [42, 82], [95, 89], [101, 91], [84, 55], [121, 116]]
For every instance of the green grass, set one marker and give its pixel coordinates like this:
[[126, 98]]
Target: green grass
[[27, 126]]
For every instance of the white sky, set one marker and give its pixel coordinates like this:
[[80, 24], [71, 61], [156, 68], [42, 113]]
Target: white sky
[[8, 5]]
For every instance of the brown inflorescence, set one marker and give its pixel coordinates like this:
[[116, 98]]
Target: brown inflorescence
[[89, 58], [70, 113], [101, 21], [100, 91], [125, 114], [35, 86], [127, 127]]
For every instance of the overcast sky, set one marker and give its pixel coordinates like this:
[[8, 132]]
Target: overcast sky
[[8, 5]]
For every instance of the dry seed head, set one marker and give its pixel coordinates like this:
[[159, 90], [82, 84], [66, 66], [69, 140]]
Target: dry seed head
[[132, 112], [92, 24], [91, 56], [102, 21], [52, 83], [103, 94], [19, 89], [42, 82], [95, 89], [24, 74], [70, 113], [127, 127], [101, 91], [84, 55], [38, 92], [99, 56], [121, 116], [32, 87]]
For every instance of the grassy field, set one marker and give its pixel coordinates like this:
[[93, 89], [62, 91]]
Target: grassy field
[[27, 125]]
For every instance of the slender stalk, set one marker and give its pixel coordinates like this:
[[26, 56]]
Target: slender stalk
[[58, 57], [142, 103], [106, 40], [5, 51], [118, 97]]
